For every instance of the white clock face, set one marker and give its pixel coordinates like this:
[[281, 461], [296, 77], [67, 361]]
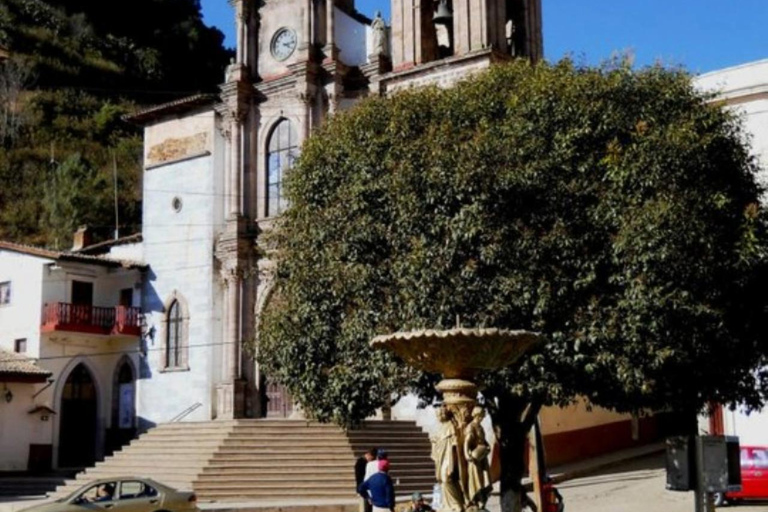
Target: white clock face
[[283, 43]]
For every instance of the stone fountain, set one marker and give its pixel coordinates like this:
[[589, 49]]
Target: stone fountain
[[460, 449]]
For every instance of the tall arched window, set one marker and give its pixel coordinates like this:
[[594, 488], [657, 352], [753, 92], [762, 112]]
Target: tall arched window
[[173, 336], [282, 149]]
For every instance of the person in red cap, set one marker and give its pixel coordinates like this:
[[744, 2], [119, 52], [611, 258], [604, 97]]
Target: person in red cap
[[379, 489]]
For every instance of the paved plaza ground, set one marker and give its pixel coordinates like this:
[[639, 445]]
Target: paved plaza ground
[[635, 486]]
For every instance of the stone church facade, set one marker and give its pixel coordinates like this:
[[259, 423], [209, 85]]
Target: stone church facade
[[212, 188], [215, 164]]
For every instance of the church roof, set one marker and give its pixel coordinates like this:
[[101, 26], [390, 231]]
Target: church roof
[[20, 368], [67, 256], [172, 108]]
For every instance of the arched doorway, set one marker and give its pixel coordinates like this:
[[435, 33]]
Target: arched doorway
[[78, 422], [123, 429]]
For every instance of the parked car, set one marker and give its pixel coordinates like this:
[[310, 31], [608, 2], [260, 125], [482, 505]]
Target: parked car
[[124, 494], [754, 477]]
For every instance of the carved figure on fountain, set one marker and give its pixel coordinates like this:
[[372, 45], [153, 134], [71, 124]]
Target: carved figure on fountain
[[450, 465], [476, 451]]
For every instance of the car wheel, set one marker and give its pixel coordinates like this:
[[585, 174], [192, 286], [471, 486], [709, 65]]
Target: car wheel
[[719, 499]]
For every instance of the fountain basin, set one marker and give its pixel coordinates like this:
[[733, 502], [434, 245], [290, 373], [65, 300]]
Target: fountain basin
[[459, 353]]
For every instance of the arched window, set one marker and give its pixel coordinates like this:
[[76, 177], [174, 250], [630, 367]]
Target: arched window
[[176, 334], [282, 149], [173, 338]]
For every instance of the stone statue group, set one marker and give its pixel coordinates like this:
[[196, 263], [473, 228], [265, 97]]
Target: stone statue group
[[460, 451]]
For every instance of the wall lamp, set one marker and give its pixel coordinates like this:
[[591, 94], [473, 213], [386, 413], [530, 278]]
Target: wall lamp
[[7, 395]]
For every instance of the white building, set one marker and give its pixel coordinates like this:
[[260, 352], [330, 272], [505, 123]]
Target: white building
[[744, 89], [70, 328]]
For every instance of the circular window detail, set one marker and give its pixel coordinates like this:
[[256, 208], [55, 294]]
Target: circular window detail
[[177, 204]]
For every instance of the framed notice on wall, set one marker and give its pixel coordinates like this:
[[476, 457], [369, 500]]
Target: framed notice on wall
[[127, 397]]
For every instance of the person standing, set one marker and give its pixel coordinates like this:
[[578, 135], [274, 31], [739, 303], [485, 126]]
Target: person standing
[[373, 466], [360, 467], [379, 489]]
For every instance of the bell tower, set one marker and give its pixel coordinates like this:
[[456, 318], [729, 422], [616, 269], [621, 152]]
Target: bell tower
[[427, 30]]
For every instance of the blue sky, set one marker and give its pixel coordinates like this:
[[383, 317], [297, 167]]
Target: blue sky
[[701, 35]]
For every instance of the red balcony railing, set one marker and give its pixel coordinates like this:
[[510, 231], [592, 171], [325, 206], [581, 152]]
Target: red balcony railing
[[60, 316]]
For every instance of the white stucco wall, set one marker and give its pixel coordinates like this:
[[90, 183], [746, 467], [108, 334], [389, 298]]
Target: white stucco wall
[[744, 89], [351, 38], [107, 283], [751, 428], [21, 318], [127, 252], [18, 428], [178, 246]]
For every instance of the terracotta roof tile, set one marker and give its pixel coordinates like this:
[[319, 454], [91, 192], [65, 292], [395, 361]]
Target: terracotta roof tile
[[19, 367], [174, 107]]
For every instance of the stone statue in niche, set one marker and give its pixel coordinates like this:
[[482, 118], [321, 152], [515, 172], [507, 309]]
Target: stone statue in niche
[[379, 34]]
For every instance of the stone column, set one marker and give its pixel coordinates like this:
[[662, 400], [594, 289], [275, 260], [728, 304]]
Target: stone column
[[240, 29], [330, 28], [230, 397], [306, 26], [231, 370], [234, 198]]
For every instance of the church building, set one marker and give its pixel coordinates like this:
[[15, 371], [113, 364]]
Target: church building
[[215, 166], [173, 351]]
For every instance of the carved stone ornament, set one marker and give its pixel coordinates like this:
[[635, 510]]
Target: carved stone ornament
[[379, 35]]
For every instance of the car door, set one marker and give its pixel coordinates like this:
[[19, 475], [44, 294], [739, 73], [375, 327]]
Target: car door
[[760, 460], [138, 496], [747, 474]]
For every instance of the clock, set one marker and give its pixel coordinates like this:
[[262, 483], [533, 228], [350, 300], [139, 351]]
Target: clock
[[283, 43]]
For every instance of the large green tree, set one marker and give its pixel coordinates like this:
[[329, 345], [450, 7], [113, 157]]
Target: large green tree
[[616, 211]]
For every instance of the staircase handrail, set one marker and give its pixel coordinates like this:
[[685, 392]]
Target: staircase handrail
[[186, 412]]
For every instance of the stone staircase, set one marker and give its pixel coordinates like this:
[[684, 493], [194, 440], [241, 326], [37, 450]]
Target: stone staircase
[[267, 460]]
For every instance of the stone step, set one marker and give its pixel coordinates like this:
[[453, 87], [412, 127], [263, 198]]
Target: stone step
[[325, 436], [139, 462], [189, 457], [235, 493], [267, 459], [318, 477], [180, 436], [281, 458], [170, 450], [392, 450], [250, 468], [95, 474], [307, 442], [315, 439], [200, 444]]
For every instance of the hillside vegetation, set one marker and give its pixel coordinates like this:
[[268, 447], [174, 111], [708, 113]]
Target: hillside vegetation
[[77, 67]]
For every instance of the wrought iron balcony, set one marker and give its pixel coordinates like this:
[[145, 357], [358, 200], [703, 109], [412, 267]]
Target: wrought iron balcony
[[60, 316]]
